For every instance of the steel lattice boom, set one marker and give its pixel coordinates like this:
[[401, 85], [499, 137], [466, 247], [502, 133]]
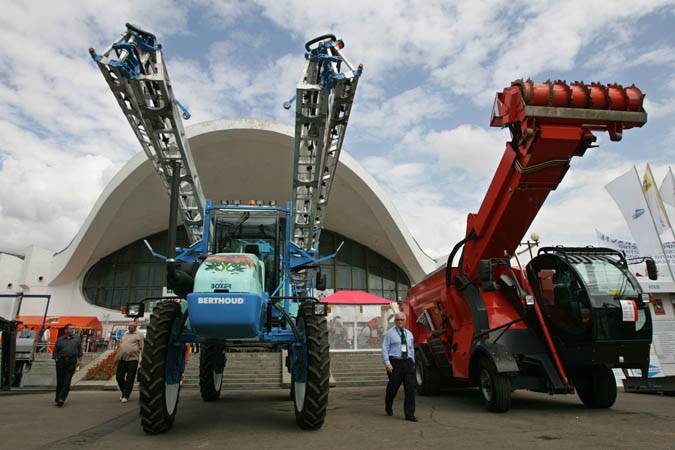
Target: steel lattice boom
[[135, 71], [324, 100]]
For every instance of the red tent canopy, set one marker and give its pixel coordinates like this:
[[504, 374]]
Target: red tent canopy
[[355, 298]]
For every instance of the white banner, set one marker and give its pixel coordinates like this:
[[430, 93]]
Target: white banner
[[656, 208], [630, 249], [667, 188], [626, 190]]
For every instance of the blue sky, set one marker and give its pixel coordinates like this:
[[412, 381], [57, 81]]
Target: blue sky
[[419, 124]]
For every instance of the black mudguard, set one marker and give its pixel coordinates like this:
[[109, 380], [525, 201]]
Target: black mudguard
[[498, 353]]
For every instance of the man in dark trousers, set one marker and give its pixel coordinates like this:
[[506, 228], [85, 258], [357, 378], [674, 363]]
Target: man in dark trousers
[[68, 354], [398, 355], [128, 356]]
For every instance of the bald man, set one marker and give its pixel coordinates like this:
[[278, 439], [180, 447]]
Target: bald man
[[398, 356], [128, 356]]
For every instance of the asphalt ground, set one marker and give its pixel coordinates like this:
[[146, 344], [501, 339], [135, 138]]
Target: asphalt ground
[[356, 419]]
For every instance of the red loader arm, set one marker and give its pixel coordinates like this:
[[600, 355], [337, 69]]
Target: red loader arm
[[549, 124]]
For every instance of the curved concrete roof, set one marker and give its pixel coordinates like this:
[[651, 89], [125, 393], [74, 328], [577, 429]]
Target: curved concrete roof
[[238, 159]]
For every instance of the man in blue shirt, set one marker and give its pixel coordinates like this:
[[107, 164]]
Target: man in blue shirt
[[398, 355]]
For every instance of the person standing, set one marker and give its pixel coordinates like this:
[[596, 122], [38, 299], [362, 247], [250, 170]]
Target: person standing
[[67, 354], [398, 355], [46, 336], [128, 356]]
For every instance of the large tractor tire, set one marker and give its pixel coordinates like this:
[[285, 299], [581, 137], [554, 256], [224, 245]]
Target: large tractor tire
[[211, 366], [161, 369], [428, 379], [311, 397], [495, 387], [596, 386]]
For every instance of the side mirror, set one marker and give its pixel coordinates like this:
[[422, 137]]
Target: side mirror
[[133, 310], [320, 284], [652, 271]]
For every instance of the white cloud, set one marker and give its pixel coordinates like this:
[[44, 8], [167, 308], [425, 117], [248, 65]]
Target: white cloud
[[390, 118], [469, 48], [62, 136], [467, 147], [435, 226], [45, 192], [582, 204], [223, 12], [420, 202]]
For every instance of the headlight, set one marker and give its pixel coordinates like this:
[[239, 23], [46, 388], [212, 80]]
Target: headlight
[[320, 309]]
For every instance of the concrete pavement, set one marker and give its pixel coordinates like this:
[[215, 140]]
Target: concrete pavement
[[356, 419]]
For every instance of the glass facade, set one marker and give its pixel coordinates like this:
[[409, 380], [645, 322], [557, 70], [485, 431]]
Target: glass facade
[[132, 273], [357, 267]]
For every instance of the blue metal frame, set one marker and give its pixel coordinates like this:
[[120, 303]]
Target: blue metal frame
[[293, 257], [328, 75]]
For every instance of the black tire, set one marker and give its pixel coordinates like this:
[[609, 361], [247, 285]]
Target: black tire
[[428, 379], [156, 416], [494, 387], [596, 386], [310, 408], [210, 379]]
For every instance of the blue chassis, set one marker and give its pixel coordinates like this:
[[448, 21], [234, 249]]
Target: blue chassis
[[278, 337]]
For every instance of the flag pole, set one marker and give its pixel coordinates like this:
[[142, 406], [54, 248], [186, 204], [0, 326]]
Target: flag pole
[[663, 208], [651, 214]]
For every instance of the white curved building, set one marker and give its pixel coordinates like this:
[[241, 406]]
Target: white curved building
[[107, 265]]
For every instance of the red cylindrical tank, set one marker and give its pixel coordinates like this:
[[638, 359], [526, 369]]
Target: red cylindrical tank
[[580, 95], [617, 97], [634, 98], [560, 94], [597, 96], [540, 94]]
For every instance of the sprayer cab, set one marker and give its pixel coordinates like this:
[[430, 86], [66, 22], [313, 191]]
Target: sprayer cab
[[233, 284]]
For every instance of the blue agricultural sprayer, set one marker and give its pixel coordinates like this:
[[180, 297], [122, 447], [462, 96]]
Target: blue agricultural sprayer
[[245, 280]]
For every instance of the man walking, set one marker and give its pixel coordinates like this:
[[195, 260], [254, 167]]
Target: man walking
[[398, 355], [128, 356], [68, 354]]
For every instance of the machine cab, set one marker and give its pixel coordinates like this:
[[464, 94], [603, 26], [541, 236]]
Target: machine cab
[[244, 251], [588, 294], [241, 270]]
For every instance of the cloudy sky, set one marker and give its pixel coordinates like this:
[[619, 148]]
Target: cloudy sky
[[419, 125]]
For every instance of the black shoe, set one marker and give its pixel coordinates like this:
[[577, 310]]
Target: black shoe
[[59, 403], [389, 411], [411, 419]]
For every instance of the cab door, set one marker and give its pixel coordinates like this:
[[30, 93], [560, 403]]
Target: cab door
[[561, 297]]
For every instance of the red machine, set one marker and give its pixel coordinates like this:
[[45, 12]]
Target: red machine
[[562, 323]]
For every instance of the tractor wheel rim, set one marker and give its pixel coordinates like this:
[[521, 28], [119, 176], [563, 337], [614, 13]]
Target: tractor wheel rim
[[486, 385], [300, 389], [171, 396], [418, 374], [217, 380]]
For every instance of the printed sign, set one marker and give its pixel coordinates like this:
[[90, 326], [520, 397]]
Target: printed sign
[[629, 309]]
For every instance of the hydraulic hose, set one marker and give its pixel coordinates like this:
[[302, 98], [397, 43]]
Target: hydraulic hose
[[455, 249]]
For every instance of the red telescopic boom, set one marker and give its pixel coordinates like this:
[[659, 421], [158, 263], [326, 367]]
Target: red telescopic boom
[[549, 123]]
